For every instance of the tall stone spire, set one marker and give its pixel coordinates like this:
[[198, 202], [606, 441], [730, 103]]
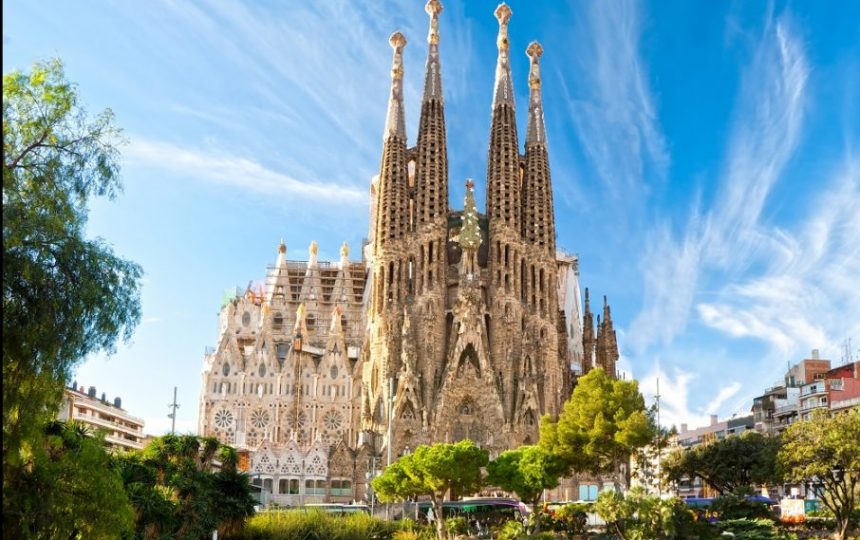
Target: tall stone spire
[[504, 87], [503, 170], [538, 225], [535, 130], [432, 164], [392, 205], [609, 356], [395, 122], [433, 72], [588, 343]]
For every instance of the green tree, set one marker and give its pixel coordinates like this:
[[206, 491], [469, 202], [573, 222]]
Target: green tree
[[63, 296], [729, 464], [526, 471], [176, 493], [433, 471], [636, 515], [73, 489], [600, 426], [826, 450]]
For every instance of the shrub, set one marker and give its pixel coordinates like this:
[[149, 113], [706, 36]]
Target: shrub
[[751, 529], [570, 519], [737, 506], [290, 524], [457, 525], [511, 530]]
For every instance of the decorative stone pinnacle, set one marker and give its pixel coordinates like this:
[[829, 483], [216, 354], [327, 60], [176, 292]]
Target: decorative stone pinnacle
[[314, 248], [470, 185], [503, 14], [344, 250], [397, 42], [433, 8], [282, 247], [534, 52]]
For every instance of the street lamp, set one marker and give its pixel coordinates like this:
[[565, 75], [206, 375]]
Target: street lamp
[[373, 441]]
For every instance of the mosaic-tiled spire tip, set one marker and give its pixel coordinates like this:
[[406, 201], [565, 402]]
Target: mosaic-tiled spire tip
[[395, 124]]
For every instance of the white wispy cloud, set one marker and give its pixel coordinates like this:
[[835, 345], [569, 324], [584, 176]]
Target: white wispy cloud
[[807, 295], [612, 107], [766, 128], [239, 172]]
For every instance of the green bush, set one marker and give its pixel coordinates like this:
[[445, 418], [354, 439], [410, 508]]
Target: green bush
[[570, 519], [751, 529], [737, 506], [457, 525], [317, 525], [511, 530]]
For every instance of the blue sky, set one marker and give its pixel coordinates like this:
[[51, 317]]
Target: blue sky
[[704, 156]]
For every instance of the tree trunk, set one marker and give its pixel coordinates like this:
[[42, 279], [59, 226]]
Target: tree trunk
[[537, 512], [441, 533]]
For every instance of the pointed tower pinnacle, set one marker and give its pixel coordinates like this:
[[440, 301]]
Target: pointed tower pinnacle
[[395, 123], [538, 225], [433, 74], [535, 130], [470, 232], [504, 89], [504, 198], [431, 181], [588, 341], [392, 203], [282, 254]]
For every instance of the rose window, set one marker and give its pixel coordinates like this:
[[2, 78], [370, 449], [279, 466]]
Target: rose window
[[259, 418], [300, 421], [332, 420], [223, 419]]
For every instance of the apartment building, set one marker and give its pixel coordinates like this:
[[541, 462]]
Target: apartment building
[[122, 430]]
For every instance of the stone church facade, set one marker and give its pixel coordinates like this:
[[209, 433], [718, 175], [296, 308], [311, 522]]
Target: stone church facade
[[452, 325]]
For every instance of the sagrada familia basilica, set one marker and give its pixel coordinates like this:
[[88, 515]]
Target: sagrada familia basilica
[[453, 325]]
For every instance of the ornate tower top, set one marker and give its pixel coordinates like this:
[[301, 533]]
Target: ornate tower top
[[535, 129], [433, 8], [470, 233], [344, 250], [282, 247], [433, 72], [395, 123], [504, 90]]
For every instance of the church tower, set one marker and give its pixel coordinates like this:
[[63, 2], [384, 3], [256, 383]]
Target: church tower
[[429, 261]]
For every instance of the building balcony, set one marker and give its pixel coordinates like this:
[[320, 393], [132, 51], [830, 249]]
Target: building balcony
[[107, 424], [123, 442]]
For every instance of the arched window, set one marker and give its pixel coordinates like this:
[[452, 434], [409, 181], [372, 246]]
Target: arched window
[[262, 369], [225, 369], [278, 321], [246, 319], [467, 408], [310, 322]]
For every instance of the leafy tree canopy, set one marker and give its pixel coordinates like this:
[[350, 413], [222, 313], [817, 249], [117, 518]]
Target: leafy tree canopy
[[64, 296], [73, 489], [433, 471], [178, 492], [826, 451], [729, 464], [526, 471], [600, 426]]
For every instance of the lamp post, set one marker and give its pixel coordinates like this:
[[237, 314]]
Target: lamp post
[[373, 441], [388, 442]]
